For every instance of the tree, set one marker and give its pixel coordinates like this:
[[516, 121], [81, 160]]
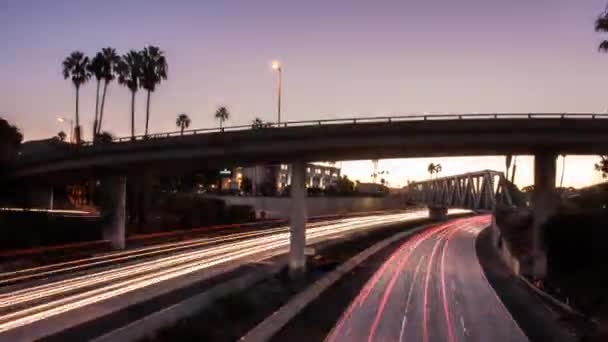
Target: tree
[[75, 68], [601, 25], [222, 114], [61, 136], [105, 138], [95, 68], [154, 70], [182, 121], [431, 169], [602, 166], [257, 123], [129, 75], [438, 168], [110, 62], [10, 139], [345, 186]]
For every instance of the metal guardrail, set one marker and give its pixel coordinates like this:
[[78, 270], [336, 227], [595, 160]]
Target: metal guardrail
[[379, 119]]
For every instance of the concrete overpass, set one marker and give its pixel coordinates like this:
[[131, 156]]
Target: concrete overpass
[[542, 135], [341, 139]]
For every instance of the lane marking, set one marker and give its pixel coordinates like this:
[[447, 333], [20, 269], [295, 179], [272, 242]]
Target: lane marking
[[409, 298]]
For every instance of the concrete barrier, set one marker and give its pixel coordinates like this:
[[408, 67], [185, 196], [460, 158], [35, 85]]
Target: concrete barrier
[[278, 207]]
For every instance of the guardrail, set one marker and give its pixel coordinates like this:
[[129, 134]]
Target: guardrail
[[379, 119]]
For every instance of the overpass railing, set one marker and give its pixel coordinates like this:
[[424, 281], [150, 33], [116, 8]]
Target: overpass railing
[[367, 120]]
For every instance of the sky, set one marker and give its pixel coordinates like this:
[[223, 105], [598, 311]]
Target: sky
[[341, 58]]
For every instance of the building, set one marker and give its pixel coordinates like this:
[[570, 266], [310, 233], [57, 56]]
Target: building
[[279, 176]]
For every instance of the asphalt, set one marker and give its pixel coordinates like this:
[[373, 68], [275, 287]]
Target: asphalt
[[432, 288], [42, 307]]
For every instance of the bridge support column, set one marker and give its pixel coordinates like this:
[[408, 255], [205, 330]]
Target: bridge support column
[[297, 218], [438, 213], [545, 203], [113, 210]]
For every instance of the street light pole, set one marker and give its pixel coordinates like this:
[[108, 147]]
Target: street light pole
[[276, 65]]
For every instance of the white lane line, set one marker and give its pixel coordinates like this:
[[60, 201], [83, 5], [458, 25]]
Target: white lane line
[[409, 298], [464, 329]]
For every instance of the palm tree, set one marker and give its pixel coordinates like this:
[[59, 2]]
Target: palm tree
[[508, 160], [110, 62], [61, 136], [222, 114], [182, 121], [75, 68], [129, 75], [154, 70], [95, 68], [438, 169], [601, 25], [561, 181], [431, 169]]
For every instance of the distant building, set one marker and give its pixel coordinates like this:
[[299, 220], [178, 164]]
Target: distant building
[[279, 176]]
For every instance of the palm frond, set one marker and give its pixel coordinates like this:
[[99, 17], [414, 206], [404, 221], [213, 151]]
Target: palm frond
[[601, 23]]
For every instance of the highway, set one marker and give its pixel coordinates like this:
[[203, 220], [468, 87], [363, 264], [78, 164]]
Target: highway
[[31, 296], [431, 288]]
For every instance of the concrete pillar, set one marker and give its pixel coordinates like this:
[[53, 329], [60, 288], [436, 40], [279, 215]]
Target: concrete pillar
[[113, 210], [545, 203], [438, 213], [297, 218], [544, 172]]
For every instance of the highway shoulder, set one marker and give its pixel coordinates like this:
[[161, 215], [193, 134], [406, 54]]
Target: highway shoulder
[[538, 320]]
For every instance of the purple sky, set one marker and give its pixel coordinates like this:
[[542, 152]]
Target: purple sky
[[341, 58]]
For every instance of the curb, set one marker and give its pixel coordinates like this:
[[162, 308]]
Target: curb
[[546, 296], [275, 322], [150, 324]]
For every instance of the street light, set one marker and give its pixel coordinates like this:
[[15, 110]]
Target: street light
[[276, 65], [63, 120]]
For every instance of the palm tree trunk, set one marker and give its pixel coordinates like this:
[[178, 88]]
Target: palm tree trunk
[[132, 115], [103, 102], [147, 114], [221, 123], [77, 128], [561, 181], [96, 110], [182, 129]]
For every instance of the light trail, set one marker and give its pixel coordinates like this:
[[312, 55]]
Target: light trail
[[47, 270], [450, 283], [27, 305]]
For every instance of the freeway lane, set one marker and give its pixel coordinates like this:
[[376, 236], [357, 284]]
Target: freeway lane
[[67, 296], [432, 288]]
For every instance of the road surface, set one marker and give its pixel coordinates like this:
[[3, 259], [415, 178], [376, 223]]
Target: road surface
[[39, 301], [432, 288]]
